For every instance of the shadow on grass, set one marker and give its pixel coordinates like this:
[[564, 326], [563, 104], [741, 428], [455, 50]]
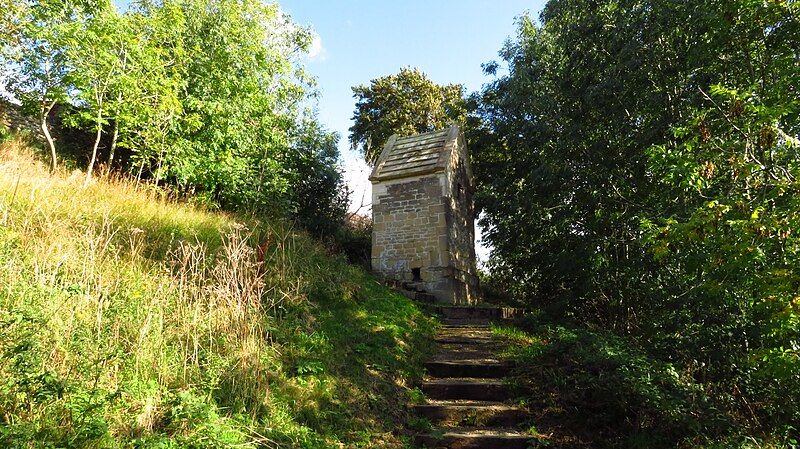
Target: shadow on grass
[[350, 361]]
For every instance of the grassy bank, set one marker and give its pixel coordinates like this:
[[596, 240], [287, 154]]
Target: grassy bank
[[129, 320]]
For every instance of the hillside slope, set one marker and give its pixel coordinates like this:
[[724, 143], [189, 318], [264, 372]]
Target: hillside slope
[[129, 320]]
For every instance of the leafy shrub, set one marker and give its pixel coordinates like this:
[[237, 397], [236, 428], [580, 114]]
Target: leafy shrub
[[602, 390], [150, 90], [653, 193], [354, 240]]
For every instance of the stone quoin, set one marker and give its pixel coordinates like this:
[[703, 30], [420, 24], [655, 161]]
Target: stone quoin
[[423, 215]]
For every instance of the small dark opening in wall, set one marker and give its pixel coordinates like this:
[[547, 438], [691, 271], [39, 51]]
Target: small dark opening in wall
[[417, 275]]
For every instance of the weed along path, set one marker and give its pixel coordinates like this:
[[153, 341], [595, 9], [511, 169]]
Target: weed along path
[[467, 394]]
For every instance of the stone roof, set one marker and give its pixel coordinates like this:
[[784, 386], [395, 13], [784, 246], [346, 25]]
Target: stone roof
[[415, 155]]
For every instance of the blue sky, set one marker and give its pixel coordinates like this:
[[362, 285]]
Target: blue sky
[[359, 40]]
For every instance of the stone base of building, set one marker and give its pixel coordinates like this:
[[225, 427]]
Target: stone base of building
[[458, 288], [447, 285]]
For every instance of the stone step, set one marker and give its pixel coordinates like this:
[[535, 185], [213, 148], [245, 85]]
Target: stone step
[[464, 332], [472, 413], [462, 354], [413, 286], [484, 326], [488, 313], [467, 388], [491, 345], [463, 340], [416, 291], [425, 297], [477, 323], [475, 368], [418, 296], [475, 438]]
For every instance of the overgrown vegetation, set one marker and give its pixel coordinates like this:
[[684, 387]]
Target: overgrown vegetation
[[597, 390], [638, 168], [130, 320]]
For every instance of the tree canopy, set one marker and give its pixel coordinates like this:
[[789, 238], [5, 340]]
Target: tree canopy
[[206, 96], [638, 169], [405, 103]]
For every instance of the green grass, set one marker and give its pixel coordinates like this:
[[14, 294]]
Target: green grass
[[129, 320], [592, 389]]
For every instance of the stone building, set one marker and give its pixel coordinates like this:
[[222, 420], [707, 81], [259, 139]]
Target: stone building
[[423, 215]]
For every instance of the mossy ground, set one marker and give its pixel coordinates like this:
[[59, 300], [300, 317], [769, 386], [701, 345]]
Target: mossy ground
[[131, 320]]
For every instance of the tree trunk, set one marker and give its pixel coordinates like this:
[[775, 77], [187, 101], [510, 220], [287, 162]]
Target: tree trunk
[[115, 134], [99, 134], [158, 167], [113, 147], [139, 175], [46, 131]]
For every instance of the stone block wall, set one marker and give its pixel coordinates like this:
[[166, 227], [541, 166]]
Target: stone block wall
[[461, 233], [419, 224], [410, 230]]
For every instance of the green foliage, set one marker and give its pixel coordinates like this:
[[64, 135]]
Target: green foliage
[[638, 172], [497, 288], [318, 198], [420, 424], [354, 240], [406, 103], [11, 13], [99, 65], [38, 35], [239, 96], [416, 396], [206, 96]]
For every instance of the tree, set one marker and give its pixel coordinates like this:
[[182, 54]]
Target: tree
[[637, 168], [146, 101], [318, 196], [208, 96], [406, 103], [240, 93], [99, 62], [43, 77]]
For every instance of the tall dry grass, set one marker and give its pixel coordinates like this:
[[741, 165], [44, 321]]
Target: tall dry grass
[[123, 290]]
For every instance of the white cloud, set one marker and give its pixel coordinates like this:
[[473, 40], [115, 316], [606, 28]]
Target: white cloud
[[316, 51]]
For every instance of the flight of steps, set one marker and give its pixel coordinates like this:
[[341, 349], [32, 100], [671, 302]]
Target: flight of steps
[[467, 398]]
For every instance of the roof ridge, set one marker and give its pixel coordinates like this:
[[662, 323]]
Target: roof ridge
[[413, 155], [436, 131]]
